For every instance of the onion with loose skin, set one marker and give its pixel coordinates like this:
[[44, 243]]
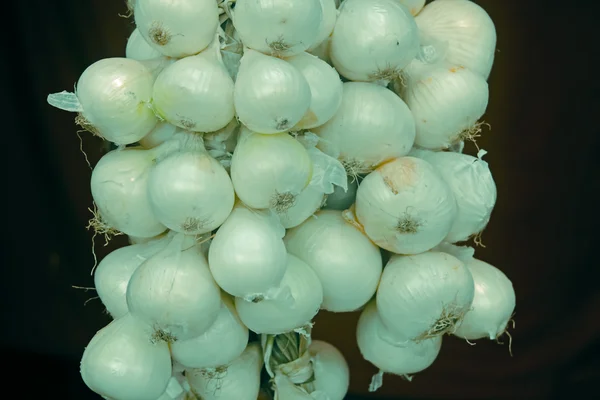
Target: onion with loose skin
[[474, 189], [190, 192], [326, 89], [175, 292], [113, 273], [269, 171], [348, 264], [409, 359], [405, 206], [122, 362], [286, 313], [119, 187], [373, 40], [371, 126], [247, 256], [423, 296], [446, 101], [467, 30], [278, 27], [239, 380], [222, 343], [177, 28], [332, 374], [114, 95], [342, 200], [270, 94], [493, 304], [196, 92]]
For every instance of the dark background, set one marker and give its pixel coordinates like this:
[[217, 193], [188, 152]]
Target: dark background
[[543, 110]]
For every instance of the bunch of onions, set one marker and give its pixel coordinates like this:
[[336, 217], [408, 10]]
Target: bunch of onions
[[273, 159]]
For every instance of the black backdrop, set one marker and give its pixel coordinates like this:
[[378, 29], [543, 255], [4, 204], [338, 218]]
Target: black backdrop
[[543, 110]]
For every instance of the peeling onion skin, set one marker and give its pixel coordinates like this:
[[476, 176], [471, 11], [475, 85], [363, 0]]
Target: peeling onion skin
[[473, 187], [282, 315]]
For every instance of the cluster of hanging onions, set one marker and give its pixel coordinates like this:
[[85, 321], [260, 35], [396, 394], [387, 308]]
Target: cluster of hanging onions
[[274, 159]]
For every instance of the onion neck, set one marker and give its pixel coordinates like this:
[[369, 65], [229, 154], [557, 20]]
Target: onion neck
[[288, 354]]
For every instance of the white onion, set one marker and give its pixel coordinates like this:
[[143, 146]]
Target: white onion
[[239, 380], [347, 263], [373, 40], [115, 270], [115, 94], [423, 296], [325, 87], [177, 28], [281, 315], [493, 304], [269, 171], [467, 29], [139, 49], [196, 93], [122, 362], [175, 292], [405, 206], [278, 27], [371, 126], [412, 358], [446, 101], [473, 187], [222, 343], [247, 256], [331, 371], [119, 186], [190, 192], [270, 94]]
